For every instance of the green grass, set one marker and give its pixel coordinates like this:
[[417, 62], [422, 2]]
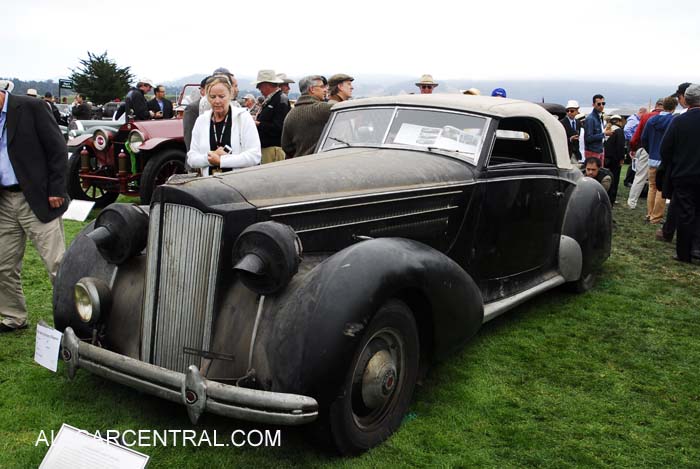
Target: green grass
[[604, 379]]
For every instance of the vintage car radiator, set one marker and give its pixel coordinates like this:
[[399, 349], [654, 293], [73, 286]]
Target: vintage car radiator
[[182, 265]]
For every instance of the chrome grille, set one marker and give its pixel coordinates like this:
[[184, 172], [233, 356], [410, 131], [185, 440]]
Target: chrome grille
[[182, 265]]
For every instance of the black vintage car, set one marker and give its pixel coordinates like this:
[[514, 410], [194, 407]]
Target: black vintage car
[[319, 289]]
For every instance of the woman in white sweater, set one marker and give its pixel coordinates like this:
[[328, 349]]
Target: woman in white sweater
[[225, 137]]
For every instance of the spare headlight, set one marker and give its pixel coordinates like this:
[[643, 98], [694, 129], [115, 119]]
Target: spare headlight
[[100, 139], [92, 299], [266, 256], [135, 140]]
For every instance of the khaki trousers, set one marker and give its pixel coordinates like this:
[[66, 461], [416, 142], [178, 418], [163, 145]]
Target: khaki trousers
[[17, 222], [272, 154], [656, 204]]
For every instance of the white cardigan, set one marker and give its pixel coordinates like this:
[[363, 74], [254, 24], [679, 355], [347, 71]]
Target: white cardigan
[[245, 142]]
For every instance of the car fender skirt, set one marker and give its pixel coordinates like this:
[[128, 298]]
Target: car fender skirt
[[570, 259], [197, 393], [310, 340]]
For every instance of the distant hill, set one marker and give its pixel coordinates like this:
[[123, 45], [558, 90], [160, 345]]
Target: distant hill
[[617, 95]]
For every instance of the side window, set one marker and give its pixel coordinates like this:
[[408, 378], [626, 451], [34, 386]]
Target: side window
[[521, 140]]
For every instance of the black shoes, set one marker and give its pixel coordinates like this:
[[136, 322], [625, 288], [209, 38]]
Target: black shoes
[[5, 328]]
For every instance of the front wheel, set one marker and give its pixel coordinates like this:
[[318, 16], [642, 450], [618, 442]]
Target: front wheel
[[159, 168], [82, 190], [379, 384]]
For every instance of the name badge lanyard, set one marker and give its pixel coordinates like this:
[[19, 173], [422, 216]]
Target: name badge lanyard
[[218, 139]]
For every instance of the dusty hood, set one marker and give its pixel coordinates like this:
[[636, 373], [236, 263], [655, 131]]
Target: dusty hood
[[343, 173]]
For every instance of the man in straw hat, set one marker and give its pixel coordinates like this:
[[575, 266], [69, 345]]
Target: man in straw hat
[[284, 86], [270, 120], [426, 84]]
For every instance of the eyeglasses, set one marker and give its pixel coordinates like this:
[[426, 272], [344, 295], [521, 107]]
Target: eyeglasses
[[426, 87], [572, 110], [601, 103]]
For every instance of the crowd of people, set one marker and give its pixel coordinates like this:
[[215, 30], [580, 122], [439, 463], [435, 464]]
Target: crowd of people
[[664, 145], [221, 135]]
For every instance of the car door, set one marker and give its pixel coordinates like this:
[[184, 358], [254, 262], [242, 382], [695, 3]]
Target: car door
[[518, 231]]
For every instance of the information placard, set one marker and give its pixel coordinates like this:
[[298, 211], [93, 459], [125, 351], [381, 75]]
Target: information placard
[[76, 449], [48, 343]]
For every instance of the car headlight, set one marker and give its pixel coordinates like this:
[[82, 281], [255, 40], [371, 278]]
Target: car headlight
[[92, 299], [135, 140], [100, 139], [266, 256]]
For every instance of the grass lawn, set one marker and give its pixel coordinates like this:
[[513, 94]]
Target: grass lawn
[[605, 379]]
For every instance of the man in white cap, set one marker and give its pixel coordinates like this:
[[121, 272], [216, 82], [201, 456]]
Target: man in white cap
[[572, 130], [426, 84], [136, 99], [270, 120]]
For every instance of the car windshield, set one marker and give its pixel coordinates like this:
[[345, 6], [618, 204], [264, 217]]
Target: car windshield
[[190, 93], [424, 128]]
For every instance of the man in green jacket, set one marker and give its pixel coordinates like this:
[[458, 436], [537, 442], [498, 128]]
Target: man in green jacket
[[304, 124]]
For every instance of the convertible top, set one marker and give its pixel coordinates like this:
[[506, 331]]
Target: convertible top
[[486, 105]]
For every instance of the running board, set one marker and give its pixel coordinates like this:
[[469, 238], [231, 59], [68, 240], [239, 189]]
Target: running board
[[496, 308]]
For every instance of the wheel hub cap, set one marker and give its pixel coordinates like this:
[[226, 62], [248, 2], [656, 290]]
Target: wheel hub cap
[[378, 379]]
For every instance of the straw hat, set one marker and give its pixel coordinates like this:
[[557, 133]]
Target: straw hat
[[426, 80], [267, 76]]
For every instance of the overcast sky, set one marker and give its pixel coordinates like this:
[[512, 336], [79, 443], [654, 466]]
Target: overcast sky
[[638, 41]]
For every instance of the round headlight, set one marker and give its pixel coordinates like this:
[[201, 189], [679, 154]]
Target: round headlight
[[100, 140], [92, 299], [83, 304], [135, 140]]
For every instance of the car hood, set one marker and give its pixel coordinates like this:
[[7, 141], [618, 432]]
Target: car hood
[[344, 173]]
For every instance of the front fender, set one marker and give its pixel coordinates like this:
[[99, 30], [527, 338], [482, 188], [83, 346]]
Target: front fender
[[79, 140], [308, 344], [153, 143]]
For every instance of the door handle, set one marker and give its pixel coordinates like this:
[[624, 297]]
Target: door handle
[[558, 194]]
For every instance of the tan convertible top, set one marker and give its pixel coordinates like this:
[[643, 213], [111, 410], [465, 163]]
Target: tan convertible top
[[496, 107]]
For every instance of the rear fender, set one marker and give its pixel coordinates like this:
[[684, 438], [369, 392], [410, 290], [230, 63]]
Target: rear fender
[[588, 221], [306, 342]]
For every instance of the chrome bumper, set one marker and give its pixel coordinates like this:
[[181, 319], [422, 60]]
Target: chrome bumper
[[197, 393]]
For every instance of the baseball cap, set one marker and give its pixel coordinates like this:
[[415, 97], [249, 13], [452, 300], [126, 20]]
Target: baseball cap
[[499, 92], [681, 89]]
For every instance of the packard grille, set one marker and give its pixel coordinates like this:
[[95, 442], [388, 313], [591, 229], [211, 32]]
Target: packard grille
[[182, 265]]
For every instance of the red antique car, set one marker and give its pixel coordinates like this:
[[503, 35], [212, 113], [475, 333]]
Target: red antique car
[[132, 160]]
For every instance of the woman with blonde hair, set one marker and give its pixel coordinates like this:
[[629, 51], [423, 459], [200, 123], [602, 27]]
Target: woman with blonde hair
[[225, 137]]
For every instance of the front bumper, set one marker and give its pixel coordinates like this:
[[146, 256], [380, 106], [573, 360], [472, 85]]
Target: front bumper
[[197, 393]]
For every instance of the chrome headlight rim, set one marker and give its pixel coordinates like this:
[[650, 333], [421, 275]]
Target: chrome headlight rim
[[135, 140], [100, 139], [92, 299]]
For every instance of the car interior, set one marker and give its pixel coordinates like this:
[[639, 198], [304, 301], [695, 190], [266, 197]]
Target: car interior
[[521, 140]]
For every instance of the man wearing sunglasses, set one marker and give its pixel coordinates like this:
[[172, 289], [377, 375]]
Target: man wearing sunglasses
[[594, 129], [426, 84]]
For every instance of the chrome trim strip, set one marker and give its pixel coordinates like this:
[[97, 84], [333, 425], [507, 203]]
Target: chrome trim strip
[[372, 202], [373, 220], [496, 308], [371, 194]]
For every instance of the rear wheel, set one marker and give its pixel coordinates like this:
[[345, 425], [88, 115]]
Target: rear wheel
[[159, 168], [78, 189], [379, 384], [583, 284]]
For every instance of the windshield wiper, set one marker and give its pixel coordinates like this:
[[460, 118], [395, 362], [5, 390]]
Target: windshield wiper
[[447, 149], [340, 141]]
